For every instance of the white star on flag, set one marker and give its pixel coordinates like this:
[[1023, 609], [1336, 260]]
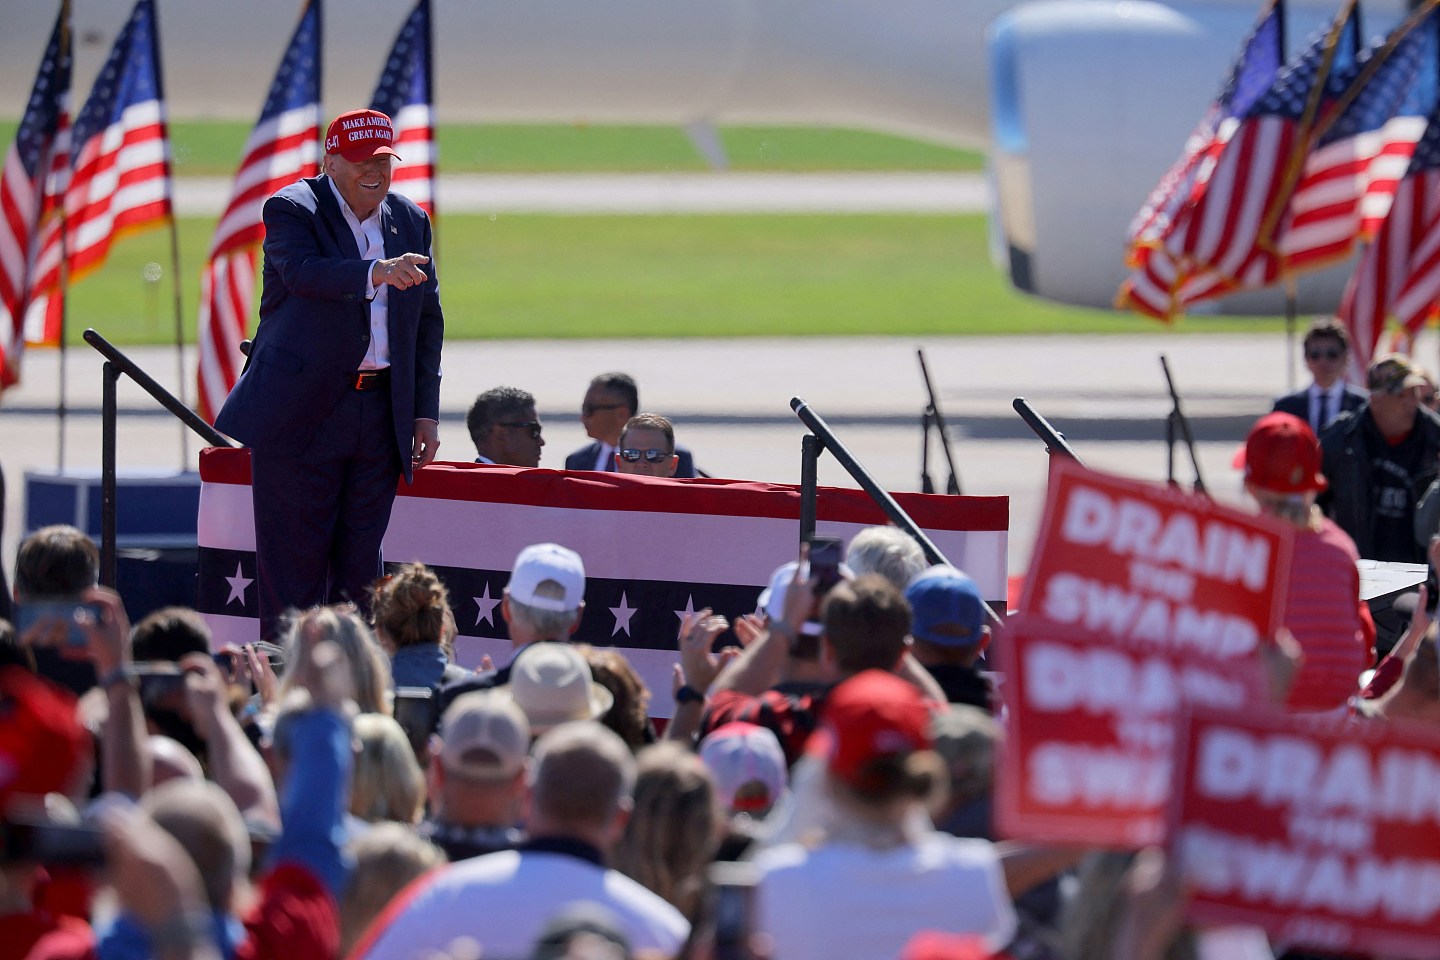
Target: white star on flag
[[689, 610], [622, 615], [487, 607], [238, 583]]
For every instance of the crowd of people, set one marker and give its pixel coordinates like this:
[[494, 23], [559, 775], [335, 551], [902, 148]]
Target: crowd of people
[[823, 789]]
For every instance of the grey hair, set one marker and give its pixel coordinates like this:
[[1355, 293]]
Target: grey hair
[[888, 551]]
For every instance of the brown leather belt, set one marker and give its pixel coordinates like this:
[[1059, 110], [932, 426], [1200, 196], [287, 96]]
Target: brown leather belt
[[371, 379]]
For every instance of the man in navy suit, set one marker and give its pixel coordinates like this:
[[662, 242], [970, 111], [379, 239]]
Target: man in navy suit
[[609, 404], [1327, 352], [341, 394]]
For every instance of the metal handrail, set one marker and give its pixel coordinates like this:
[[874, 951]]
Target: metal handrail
[[829, 441], [116, 363]]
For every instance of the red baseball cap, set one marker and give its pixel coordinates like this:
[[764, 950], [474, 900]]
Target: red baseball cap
[[360, 134], [41, 739], [872, 715], [1282, 455]]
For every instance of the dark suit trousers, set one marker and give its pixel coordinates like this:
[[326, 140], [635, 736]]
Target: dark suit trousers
[[320, 516]]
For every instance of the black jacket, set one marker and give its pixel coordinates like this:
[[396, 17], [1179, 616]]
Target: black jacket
[[1348, 501]]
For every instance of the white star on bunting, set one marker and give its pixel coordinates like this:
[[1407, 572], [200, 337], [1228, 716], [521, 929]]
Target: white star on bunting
[[689, 610], [622, 615], [238, 583], [487, 607]]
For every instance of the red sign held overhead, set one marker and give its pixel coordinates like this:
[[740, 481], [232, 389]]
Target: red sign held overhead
[[1137, 561], [1090, 733], [1328, 836]]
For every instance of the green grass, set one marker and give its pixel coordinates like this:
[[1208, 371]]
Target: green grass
[[211, 148], [636, 276]]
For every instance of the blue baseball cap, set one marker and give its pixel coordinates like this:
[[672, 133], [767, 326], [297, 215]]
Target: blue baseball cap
[[947, 606]]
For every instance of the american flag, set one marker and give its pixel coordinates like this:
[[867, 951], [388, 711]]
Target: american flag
[[1350, 176], [634, 596], [120, 168], [283, 147], [36, 160], [404, 93], [1218, 239], [1399, 271]]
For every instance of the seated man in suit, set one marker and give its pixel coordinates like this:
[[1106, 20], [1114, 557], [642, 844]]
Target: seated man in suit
[[1327, 352], [505, 427], [647, 447], [610, 402]]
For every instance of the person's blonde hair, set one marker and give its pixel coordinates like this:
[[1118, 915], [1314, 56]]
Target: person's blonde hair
[[369, 667], [409, 607], [386, 783], [673, 830], [388, 857]]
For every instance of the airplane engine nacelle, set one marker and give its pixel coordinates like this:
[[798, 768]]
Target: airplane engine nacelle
[[1090, 103]]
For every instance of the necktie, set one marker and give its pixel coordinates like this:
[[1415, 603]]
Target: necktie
[[1327, 410]]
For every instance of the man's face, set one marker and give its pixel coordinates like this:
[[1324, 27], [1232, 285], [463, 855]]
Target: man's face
[[643, 439], [515, 439], [604, 412], [1394, 413], [1325, 359], [364, 184]]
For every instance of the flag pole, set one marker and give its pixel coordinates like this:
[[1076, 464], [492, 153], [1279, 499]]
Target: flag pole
[[1291, 308], [179, 340], [64, 292]]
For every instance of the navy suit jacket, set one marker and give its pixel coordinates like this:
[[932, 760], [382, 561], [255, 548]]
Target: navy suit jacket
[[315, 324], [1298, 403], [584, 459]]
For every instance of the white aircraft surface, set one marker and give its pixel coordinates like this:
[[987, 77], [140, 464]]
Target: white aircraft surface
[[1082, 104]]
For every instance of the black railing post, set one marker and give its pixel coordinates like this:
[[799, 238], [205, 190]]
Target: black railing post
[[108, 561], [810, 449]]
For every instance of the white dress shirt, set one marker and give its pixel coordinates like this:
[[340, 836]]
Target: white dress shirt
[[371, 241]]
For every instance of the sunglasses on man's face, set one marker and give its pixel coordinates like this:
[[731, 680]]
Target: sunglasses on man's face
[[631, 455], [1323, 354], [532, 425]]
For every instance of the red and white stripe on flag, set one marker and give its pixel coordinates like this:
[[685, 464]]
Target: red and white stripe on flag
[[413, 174], [1399, 271], [652, 548]]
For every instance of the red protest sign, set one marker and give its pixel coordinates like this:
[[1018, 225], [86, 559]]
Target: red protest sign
[[1139, 561], [1327, 835], [1090, 730]]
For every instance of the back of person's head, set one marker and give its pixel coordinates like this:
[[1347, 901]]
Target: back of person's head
[[581, 778], [56, 561], [748, 765], [484, 737], [493, 406], [874, 738], [583, 930], [386, 783], [946, 609], [630, 715], [967, 738], [552, 683], [546, 591], [866, 624], [208, 825], [409, 607], [369, 667], [388, 857], [169, 634], [624, 385], [888, 551], [674, 827]]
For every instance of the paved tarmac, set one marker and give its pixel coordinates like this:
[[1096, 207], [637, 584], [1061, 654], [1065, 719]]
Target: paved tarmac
[[731, 403]]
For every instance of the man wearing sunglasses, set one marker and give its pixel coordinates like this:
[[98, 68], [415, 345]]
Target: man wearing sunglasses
[[610, 401], [505, 427], [647, 447], [1327, 352]]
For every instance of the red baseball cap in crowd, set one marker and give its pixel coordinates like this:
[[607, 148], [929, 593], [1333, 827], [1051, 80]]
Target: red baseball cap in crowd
[[360, 134], [1283, 456], [41, 739], [870, 716], [934, 945]]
